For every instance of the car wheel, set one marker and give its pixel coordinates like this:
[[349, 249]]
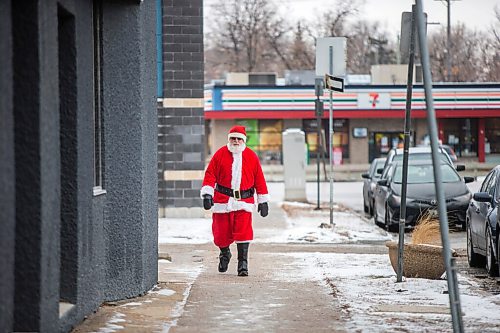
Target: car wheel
[[367, 209], [375, 217], [391, 227], [491, 265], [498, 251], [474, 259]]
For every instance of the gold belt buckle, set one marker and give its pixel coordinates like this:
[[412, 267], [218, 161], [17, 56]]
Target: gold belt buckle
[[237, 194]]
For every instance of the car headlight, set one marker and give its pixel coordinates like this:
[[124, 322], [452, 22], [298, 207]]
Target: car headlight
[[462, 198], [394, 200]]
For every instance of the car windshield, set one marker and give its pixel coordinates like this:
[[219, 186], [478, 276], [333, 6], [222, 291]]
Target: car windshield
[[421, 156], [420, 174]]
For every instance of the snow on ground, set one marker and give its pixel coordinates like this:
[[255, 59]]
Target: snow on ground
[[372, 301], [364, 284], [306, 225], [185, 231], [313, 227]]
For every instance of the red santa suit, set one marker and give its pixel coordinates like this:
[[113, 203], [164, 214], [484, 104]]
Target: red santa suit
[[237, 170]]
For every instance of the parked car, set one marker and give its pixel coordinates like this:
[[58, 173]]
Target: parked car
[[450, 152], [369, 181], [420, 194], [483, 224], [418, 153]]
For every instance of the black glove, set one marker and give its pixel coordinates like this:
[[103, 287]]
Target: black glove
[[263, 209], [208, 201]]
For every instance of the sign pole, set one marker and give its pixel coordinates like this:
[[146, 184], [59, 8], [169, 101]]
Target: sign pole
[[409, 89], [318, 106], [330, 125], [453, 292], [325, 64]]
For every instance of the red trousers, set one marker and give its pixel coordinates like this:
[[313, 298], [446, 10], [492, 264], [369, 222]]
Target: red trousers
[[232, 227]]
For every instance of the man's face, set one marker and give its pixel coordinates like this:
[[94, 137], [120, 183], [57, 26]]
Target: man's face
[[235, 142]]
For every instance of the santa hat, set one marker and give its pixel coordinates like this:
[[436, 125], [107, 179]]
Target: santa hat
[[238, 132]]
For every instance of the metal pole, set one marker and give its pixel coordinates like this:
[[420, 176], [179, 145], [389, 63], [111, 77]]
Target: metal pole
[[448, 43], [409, 88], [443, 218], [330, 128], [318, 152], [319, 91]]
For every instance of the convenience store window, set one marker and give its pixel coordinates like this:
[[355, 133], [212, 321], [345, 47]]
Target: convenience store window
[[492, 136], [340, 136], [264, 137]]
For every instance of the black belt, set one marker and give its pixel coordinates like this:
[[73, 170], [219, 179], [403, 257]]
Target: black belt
[[237, 194]]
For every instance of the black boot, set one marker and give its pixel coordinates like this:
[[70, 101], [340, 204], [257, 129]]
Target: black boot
[[242, 259], [224, 257]]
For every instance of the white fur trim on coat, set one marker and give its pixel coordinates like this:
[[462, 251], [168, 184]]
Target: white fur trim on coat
[[239, 205], [206, 190], [261, 198]]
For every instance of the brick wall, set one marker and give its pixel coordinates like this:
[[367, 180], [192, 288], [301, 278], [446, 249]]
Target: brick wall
[[181, 132]]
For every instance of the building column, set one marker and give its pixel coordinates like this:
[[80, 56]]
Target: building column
[[440, 130], [7, 173], [181, 131], [129, 86], [37, 165], [480, 140]]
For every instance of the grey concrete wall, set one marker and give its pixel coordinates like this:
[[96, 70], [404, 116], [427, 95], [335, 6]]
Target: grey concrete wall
[[59, 241], [7, 173], [37, 167], [181, 134], [129, 105], [84, 217]]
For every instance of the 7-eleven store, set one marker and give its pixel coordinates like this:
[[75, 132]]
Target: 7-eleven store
[[368, 120]]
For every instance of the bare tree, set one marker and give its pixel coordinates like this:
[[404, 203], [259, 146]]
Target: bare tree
[[294, 49], [250, 35], [332, 23], [495, 29], [302, 49], [474, 55], [492, 58], [368, 45], [238, 32]]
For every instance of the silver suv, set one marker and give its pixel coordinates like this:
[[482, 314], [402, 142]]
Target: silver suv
[[418, 153]]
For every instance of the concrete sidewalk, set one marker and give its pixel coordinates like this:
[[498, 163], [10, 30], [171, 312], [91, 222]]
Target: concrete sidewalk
[[191, 296]]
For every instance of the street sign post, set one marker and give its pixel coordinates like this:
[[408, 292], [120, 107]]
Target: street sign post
[[334, 83], [334, 63], [331, 59]]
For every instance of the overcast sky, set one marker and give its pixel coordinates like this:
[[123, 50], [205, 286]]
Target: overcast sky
[[476, 14]]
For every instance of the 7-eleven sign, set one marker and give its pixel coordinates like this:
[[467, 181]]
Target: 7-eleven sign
[[374, 100]]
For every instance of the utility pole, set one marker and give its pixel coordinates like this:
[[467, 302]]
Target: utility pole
[[448, 42], [448, 39]]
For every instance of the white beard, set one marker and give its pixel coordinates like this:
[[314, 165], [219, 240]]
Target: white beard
[[236, 149]]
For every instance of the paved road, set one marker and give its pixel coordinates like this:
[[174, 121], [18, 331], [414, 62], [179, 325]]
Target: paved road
[[349, 194]]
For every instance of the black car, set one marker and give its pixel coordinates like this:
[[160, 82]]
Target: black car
[[369, 182], [420, 194], [483, 224]]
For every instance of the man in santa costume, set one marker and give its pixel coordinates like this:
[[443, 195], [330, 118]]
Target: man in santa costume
[[233, 176]]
